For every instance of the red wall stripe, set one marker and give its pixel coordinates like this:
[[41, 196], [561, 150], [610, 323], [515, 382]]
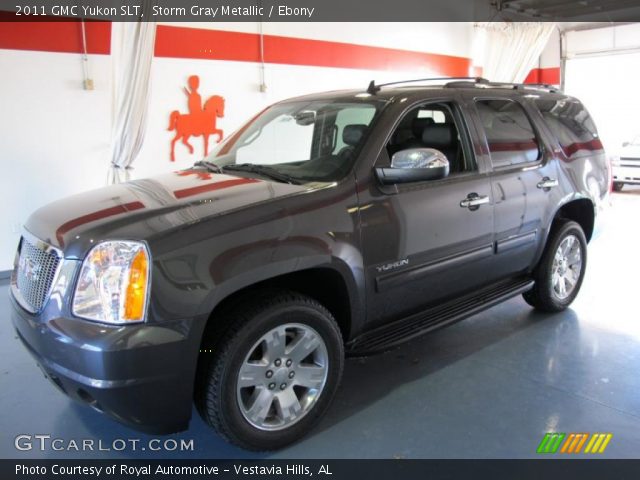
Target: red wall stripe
[[58, 36], [184, 42], [181, 42], [544, 75]]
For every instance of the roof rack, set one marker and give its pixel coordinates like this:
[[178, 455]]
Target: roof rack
[[373, 88], [514, 86], [465, 82]]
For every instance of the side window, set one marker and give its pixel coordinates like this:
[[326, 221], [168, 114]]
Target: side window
[[434, 126], [570, 122], [510, 135], [351, 116]]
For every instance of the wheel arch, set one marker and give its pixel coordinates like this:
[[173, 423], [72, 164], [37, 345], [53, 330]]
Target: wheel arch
[[581, 211], [325, 284]]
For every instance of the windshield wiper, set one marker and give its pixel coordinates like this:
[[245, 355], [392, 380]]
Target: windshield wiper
[[263, 170], [212, 167]]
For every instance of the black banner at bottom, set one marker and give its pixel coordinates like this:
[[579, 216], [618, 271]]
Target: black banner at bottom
[[330, 469]]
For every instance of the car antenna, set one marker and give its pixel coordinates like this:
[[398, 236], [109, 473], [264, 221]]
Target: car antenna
[[372, 89]]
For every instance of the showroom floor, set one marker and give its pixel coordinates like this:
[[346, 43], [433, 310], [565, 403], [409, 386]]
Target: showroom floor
[[488, 387]]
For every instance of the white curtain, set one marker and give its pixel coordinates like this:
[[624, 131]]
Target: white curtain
[[132, 45], [508, 51]]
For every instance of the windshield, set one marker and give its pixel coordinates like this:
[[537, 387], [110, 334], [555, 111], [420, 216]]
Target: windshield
[[306, 140]]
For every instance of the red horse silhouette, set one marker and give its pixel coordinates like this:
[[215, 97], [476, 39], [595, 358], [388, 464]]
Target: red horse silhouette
[[196, 124]]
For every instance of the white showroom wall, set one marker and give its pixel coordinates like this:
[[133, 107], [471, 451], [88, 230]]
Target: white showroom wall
[[603, 69], [55, 134]]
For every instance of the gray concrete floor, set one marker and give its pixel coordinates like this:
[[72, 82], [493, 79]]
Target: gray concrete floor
[[488, 387]]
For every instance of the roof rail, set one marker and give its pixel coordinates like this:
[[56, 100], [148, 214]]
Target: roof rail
[[515, 86], [373, 88], [541, 86], [466, 82]]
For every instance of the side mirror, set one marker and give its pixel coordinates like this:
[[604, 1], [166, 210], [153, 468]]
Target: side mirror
[[414, 165], [625, 144]]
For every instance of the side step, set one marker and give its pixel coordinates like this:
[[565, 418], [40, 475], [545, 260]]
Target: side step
[[400, 331]]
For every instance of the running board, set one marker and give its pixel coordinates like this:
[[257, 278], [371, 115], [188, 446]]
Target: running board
[[400, 331]]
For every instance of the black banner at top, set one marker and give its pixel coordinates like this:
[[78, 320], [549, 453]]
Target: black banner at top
[[319, 10]]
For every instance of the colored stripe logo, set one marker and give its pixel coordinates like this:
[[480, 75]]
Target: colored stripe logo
[[574, 443]]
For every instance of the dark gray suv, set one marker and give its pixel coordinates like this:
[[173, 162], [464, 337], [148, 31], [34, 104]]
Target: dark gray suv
[[342, 223]]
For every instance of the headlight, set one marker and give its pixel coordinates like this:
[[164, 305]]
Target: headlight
[[113, 283]]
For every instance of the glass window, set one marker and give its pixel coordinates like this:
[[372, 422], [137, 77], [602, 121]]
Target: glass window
[[510, 134], [305, 140], [570, 122], [351, 116], [283, 140], [433, 126]]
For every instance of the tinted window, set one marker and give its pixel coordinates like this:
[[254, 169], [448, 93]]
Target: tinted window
[[510, 134], [571, 124]]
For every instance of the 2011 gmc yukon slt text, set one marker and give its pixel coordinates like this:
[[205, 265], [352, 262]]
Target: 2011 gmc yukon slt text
[[332, 224]]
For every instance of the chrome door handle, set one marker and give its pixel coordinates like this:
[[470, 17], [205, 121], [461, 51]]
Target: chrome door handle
[[547, 183], [473, 201]]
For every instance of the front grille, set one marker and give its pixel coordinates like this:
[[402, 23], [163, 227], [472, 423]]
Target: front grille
[[35, 272]]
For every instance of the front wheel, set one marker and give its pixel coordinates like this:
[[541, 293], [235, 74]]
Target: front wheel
[[617, 186], [273, 374], [559, 274]]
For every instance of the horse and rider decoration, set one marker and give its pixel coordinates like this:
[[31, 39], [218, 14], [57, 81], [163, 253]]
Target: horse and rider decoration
[[200, 121]]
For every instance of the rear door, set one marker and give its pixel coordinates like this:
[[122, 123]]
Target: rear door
[[524, 180]]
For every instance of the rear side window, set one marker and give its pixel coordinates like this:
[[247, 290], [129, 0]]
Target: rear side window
[[510, 135], [570, 122]]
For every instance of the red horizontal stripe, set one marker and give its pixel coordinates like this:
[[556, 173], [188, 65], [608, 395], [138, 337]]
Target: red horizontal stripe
[[550, 76], [55, 36], [92, 217], [210, 187], [591, 145], [181, 42]]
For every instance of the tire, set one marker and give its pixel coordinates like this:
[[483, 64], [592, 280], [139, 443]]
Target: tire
[[546, 294], [617, 186], [225, 399]]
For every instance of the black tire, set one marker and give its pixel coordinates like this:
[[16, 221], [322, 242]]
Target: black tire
[[617, 186], [543, 296], [218, 371]]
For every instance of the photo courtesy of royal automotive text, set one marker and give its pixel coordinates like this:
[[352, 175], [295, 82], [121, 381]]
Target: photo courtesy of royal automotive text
[[341, 239]]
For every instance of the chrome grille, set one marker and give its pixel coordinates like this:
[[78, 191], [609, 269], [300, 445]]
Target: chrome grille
[[35, 272]]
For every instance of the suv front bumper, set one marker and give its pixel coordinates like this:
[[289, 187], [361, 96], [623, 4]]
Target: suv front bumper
[[137, 374], [627, 174]]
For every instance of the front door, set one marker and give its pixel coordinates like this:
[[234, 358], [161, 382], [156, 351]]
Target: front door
[[427, 241]]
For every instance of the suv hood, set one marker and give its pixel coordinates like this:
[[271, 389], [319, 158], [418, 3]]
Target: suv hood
[[143, 208]]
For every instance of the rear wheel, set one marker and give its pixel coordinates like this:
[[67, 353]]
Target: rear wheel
[[273, 374], [617, 186], [559, 274]]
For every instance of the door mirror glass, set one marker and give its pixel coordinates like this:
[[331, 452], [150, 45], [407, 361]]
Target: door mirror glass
[[415, 165]]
